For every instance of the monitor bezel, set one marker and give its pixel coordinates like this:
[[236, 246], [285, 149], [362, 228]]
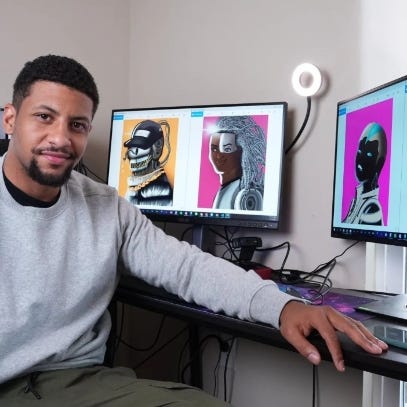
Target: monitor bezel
[[359, 234], [237, 220]]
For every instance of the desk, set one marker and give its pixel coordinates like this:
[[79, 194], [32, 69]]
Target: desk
[[135, 292]]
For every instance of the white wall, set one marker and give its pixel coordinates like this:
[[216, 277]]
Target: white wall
[[92, 31], [382, 37]]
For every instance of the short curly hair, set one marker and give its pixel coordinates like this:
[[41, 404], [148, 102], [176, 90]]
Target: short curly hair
[[55, 68]]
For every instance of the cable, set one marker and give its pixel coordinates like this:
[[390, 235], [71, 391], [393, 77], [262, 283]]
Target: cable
[[120, 333], [83, 169], [315, 385], [292, 276], [321, 282], [216, 372], [230, 251], [201, 346], [120, 340], [200, 349], [225, 370], [302, 127], [179, 371], [188, 229], [278, 247], [149, 347], [216, 369], [161, 348]]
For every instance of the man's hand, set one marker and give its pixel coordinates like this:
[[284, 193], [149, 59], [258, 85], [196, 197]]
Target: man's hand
[[298, 320]]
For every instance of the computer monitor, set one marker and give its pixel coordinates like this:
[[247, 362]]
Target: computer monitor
[[370, 193], [207, 165], [4, 138]]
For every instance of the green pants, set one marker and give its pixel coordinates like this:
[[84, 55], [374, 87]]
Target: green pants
[[99, 386]]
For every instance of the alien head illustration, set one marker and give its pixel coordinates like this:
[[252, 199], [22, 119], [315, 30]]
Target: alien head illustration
[[371, 156]]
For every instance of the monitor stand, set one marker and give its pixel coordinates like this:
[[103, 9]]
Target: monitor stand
[[3, 146], [200, 237]]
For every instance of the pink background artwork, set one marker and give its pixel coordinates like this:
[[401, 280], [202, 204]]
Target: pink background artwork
[[356, 121], [208, 179]]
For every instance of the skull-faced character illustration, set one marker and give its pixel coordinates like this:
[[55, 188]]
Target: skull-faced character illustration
[[148, 183]]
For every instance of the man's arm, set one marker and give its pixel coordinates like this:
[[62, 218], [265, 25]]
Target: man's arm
[[298, 320]]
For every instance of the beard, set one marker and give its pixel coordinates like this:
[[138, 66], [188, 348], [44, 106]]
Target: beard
[[43, 178]]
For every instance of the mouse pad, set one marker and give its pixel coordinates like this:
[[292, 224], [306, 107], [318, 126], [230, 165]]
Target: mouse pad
[[345, 303]]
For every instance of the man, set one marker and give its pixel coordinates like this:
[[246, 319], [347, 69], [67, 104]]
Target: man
[[62, 237]]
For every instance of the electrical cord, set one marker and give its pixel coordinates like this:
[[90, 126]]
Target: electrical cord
[[229, 244], [119, 334], [225, 397], [276, 248], [83, 169], [230, 252], [198, 353], [181, 353], [307, 114], [215, 373], [201, 346], [292, 276], [188, 229], [119, 339], [161, 348], [148, 347], [315, 385], [224, 243], [230, 342], [316, 277]]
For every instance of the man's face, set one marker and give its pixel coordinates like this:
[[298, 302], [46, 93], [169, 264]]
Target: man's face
[[224, 154], [49, 135]]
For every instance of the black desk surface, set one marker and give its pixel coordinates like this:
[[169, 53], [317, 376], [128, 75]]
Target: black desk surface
[[135, 292]]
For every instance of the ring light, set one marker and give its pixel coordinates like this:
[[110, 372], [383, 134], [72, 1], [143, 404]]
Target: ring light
[[307, 70]]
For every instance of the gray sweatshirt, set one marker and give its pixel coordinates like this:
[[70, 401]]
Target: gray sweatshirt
[[59, 270]]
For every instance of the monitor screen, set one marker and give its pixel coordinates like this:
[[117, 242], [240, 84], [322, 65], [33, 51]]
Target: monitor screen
[[370, 193], [217, 164], [3, 135], [4, 138]]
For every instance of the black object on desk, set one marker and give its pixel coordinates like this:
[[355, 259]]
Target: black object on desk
[[4, 146], [392, 306], [392, 363]]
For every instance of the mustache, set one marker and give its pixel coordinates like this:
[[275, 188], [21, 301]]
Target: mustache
[[62, 150]]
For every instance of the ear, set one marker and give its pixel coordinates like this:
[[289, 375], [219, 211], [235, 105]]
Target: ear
[[9, 116]]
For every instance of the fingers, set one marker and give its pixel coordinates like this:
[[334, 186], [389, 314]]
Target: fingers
[[328, 333], [303, 346], [315, 318], [357, 332], [299, 320]]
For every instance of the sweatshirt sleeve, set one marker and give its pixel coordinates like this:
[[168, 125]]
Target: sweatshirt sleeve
[[195, 276], [268, 311]]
